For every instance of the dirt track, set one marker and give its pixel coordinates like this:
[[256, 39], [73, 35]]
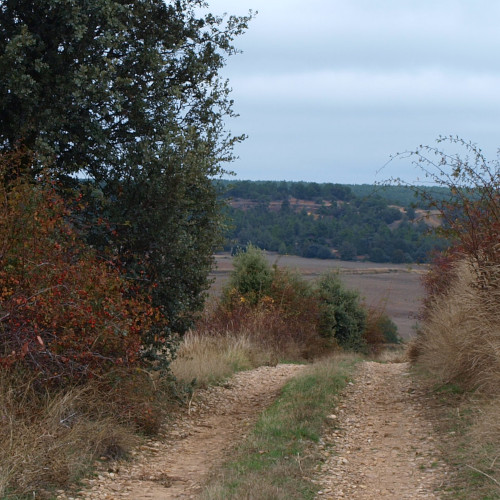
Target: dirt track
[[177, 465], [384, 444], [379, 442]]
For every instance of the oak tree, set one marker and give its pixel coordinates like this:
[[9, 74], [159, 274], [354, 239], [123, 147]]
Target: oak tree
[[128, 94]]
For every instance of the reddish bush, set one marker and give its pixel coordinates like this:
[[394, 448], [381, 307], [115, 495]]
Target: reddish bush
[[284, 319], [64, 313], [380, 330]]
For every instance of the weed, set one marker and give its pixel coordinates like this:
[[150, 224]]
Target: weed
[[280, 454]]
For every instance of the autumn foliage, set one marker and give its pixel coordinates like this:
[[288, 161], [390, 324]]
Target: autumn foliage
[[64, 313]]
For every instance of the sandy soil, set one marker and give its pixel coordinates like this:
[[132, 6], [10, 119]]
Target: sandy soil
[[396, 287], [381, 443]]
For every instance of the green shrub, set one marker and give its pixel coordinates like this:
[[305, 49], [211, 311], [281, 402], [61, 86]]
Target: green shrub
[[389, 330], [341, 315], [252, 276], [313, 318]]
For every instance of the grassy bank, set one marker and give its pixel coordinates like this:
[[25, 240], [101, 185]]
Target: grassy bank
[[468, 426], [278, 459], [459, 347], [203, 360], [50, 438]]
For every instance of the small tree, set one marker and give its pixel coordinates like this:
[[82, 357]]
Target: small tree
[[341, 316], [252, 276]]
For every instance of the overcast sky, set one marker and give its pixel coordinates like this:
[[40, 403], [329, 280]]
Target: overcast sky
[[328, 90]]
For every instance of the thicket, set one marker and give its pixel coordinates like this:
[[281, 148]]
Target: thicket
[[459, 339], [111, 135], [73, 384], [294, 318], [127, 95], [66, 314]]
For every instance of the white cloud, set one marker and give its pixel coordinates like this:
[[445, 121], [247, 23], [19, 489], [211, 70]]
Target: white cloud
[[422, 88], [331, 88]]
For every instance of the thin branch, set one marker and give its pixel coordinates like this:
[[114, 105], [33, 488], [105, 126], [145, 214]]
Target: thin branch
[[483, 473]]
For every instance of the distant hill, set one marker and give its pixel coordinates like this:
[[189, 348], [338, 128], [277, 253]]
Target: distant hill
[[351, 222]]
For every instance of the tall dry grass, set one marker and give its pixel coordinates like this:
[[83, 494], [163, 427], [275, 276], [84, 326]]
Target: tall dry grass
[[227, 341], [460, 338], [459, 343], [209, 359], [49, 438]]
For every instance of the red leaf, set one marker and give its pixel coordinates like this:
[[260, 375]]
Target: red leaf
[[24, 349]]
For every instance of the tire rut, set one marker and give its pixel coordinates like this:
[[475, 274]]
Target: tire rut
[[178, 464], [381, 443]]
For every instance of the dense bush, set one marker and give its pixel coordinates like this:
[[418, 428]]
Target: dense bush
[[65, 314], [379, 329], [289, 313], [275, 306], [341, 315], [252, 276]]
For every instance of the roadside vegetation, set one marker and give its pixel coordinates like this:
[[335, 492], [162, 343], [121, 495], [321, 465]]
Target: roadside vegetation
[[459, 339], [75, 384], [267, 315], [109, 216], [279, 458]]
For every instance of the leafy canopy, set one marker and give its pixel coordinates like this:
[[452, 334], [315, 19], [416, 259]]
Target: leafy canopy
[[128, 95]]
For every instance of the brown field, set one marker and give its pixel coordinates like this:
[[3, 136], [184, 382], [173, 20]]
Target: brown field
[[396, 287]]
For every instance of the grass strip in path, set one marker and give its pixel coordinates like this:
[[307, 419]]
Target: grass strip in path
[[278, 458]]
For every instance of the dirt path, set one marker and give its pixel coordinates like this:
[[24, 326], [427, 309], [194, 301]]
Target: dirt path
[[380, 443], [177, 465], [383, 444]]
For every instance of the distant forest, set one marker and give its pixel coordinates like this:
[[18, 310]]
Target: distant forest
[[326, 221]]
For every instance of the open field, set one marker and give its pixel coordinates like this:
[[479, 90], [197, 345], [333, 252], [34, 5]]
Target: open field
[[395, 286]]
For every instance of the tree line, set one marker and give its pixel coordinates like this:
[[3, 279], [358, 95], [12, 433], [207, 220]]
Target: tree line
[[343, 224]]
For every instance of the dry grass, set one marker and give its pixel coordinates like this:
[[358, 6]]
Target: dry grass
[[210, 359], [484, 438], [460, 340], [392, 354], [50, 439], [460, 345], [227, 340]]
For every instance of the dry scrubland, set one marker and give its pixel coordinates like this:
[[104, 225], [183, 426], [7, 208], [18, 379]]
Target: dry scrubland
[[395, 287], [52, 435], [459, 345]]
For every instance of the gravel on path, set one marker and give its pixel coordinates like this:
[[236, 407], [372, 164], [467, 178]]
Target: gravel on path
[[381, 443], [178, 464]]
